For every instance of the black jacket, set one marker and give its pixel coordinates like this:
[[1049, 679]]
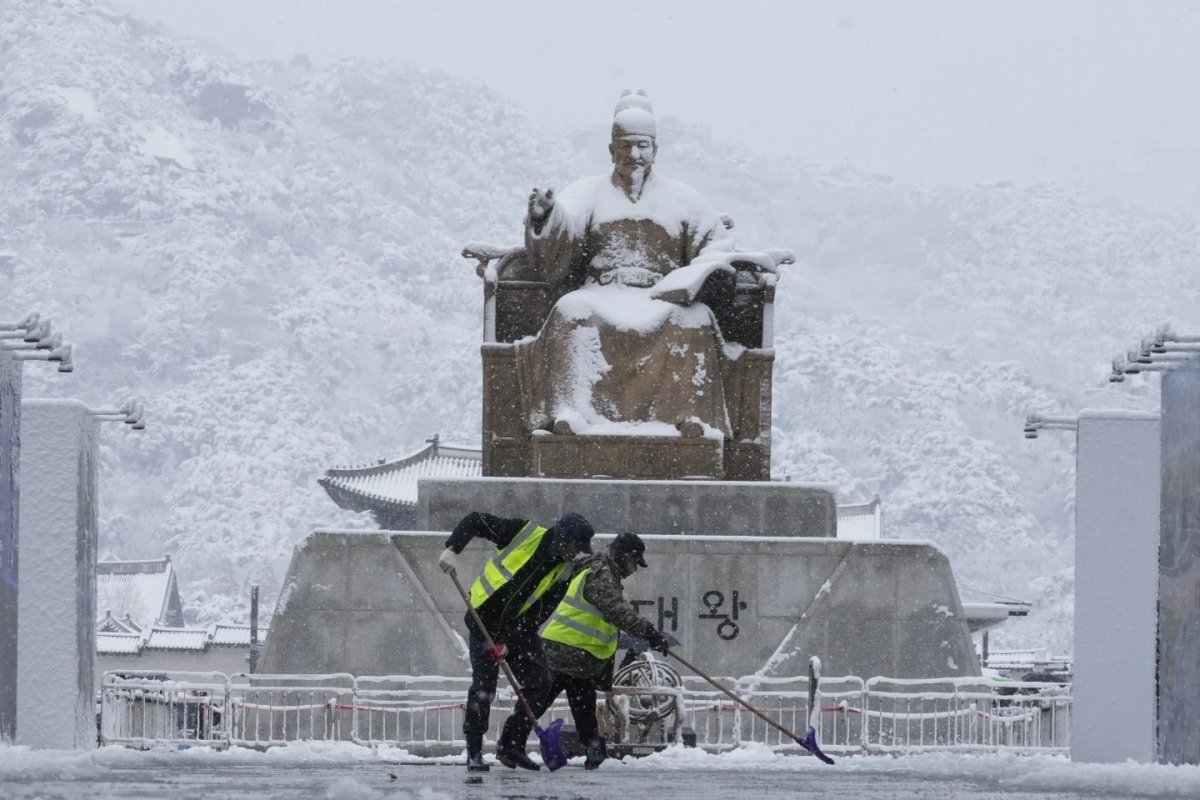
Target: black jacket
[[501, 612]]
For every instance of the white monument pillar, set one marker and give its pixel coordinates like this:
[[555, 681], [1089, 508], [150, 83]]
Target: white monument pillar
[[29, 339], [1117, 498], [57, 617]]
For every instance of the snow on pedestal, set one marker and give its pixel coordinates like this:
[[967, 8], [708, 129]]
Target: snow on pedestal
[[10, 451], [56, 634], [1116, 580]]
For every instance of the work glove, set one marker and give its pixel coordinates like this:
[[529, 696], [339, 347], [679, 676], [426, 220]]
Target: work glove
[[658, 641], [498, 652], [448, 561]]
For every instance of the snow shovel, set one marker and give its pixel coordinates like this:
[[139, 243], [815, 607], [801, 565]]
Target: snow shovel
[[551, 749], [809, 742]]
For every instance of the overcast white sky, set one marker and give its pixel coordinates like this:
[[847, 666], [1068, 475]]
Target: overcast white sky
[[1102, 94]]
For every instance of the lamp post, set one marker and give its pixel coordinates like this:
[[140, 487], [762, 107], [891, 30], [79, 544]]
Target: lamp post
[[59, 531], [27, 339]]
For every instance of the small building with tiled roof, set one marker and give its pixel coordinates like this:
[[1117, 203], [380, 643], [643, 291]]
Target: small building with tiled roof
[[141, 624], [388, 488], [137, 594]]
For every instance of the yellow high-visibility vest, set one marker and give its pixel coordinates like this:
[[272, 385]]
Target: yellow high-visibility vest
[[578, 623], [501, 567]]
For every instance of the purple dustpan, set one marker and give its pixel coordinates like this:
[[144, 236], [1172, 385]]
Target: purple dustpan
[[809, 743], [552, 753]]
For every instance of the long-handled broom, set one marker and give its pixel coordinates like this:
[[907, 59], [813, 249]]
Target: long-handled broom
[[809, 742], [552, 752]]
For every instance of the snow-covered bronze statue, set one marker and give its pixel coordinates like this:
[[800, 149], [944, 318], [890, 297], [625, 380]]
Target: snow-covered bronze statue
[[636, 337]]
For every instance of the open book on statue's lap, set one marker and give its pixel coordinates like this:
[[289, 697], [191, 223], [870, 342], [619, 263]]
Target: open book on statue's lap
[[683, 285]]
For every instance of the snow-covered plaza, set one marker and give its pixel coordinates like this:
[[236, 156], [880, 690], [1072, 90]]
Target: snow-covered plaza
[[351, 772], [471, 414]]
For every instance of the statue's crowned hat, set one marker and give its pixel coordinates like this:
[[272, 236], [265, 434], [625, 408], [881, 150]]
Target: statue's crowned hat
[[634, 115]]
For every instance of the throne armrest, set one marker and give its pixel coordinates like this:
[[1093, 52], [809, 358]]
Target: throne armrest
[[485, 253], [762, 260], [744, 307]]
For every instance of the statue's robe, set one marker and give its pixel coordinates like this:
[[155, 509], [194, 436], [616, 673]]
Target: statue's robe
[[609, 352]]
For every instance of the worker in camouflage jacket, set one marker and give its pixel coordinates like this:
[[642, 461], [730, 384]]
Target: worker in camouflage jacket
[[581, 644]]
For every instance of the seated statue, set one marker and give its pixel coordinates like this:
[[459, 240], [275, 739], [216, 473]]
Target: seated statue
[[632, 349], [628, 338]]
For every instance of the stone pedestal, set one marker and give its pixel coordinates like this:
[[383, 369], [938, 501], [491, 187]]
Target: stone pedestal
[[376, 603], [1116, 586], [636, 457], [57, 612], [10, 454], [1179, 570], [750, 508]]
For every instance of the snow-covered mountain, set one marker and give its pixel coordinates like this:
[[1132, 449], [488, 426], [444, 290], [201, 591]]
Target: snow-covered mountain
[[268, 253]]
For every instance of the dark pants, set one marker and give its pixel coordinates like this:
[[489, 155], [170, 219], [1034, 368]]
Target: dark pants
[[581, 695], [526, 659]]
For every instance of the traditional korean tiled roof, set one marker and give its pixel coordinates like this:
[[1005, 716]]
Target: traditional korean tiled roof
[[222, 634], [118, 644], [394, 483], [145, 592], [234, 635], [176, 638]]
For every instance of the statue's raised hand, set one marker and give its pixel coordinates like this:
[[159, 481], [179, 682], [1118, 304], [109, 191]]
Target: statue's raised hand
[[540, 205]]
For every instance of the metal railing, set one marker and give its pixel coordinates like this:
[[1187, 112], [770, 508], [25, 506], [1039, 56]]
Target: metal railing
[[424, 714]]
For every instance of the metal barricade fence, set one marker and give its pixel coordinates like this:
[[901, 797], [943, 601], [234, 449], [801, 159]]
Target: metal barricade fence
[[965, 714], [266, 710], [424, 714], [147, 707]]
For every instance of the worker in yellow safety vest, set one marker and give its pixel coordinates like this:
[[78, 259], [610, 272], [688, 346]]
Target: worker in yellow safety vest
[[581, 646], [519, 588]]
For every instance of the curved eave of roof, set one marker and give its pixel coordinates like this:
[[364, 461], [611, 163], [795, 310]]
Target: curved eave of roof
[[377, 467], [346, 486], [348, 498]]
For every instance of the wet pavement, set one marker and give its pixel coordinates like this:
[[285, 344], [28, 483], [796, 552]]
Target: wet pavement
[[366, 781]]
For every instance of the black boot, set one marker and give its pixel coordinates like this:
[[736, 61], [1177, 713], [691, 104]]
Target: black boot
[[475, 762], [516, 758], [595, 753]]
